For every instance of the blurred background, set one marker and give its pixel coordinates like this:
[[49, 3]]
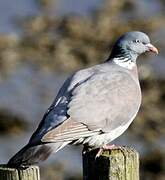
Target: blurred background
[[43, 41]]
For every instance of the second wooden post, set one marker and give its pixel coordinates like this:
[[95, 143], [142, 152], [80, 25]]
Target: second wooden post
[[29, 173]]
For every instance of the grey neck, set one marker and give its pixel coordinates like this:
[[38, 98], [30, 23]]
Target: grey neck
[[123, 58], [123, 54]]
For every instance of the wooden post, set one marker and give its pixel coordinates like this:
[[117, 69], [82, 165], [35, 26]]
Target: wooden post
[[29, 173], [116, 164]]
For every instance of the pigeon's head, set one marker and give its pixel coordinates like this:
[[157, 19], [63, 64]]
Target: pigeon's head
[[132, 44]]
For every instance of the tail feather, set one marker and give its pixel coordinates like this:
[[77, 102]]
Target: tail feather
[[29, 155]]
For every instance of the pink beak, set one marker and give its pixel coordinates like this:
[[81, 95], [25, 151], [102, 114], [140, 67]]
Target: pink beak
[[152, 48]]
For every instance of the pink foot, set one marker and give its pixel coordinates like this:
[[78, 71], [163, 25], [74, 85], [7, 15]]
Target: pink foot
[[106, 147], [109, 146]]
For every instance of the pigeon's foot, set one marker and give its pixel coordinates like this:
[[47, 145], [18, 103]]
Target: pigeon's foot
[[109, 146], [106, 147]]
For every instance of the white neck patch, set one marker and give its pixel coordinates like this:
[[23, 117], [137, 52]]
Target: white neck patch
[[126, 64]]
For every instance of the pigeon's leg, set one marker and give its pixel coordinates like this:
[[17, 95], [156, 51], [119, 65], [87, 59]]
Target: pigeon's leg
[[106, 147]]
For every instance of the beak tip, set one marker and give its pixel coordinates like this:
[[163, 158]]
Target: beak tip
[[152, 49], [155, 50]]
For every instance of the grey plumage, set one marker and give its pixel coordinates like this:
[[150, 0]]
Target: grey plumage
[[94, 106]]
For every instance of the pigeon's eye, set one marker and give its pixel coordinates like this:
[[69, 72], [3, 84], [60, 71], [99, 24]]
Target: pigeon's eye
[[137, 41]]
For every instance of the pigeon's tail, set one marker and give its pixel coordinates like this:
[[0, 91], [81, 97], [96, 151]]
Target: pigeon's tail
[[29, 155]]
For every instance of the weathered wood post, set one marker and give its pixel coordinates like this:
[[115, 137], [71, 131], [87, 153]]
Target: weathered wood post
[[29, 173], [116, 164]]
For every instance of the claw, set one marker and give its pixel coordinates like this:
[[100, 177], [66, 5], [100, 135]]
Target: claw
[[99, 153], [105, 147]]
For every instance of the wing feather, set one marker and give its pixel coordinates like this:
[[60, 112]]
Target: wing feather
[[68, 131]]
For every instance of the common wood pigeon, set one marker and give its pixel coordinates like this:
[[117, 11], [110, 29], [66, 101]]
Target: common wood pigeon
[[94, 106]]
